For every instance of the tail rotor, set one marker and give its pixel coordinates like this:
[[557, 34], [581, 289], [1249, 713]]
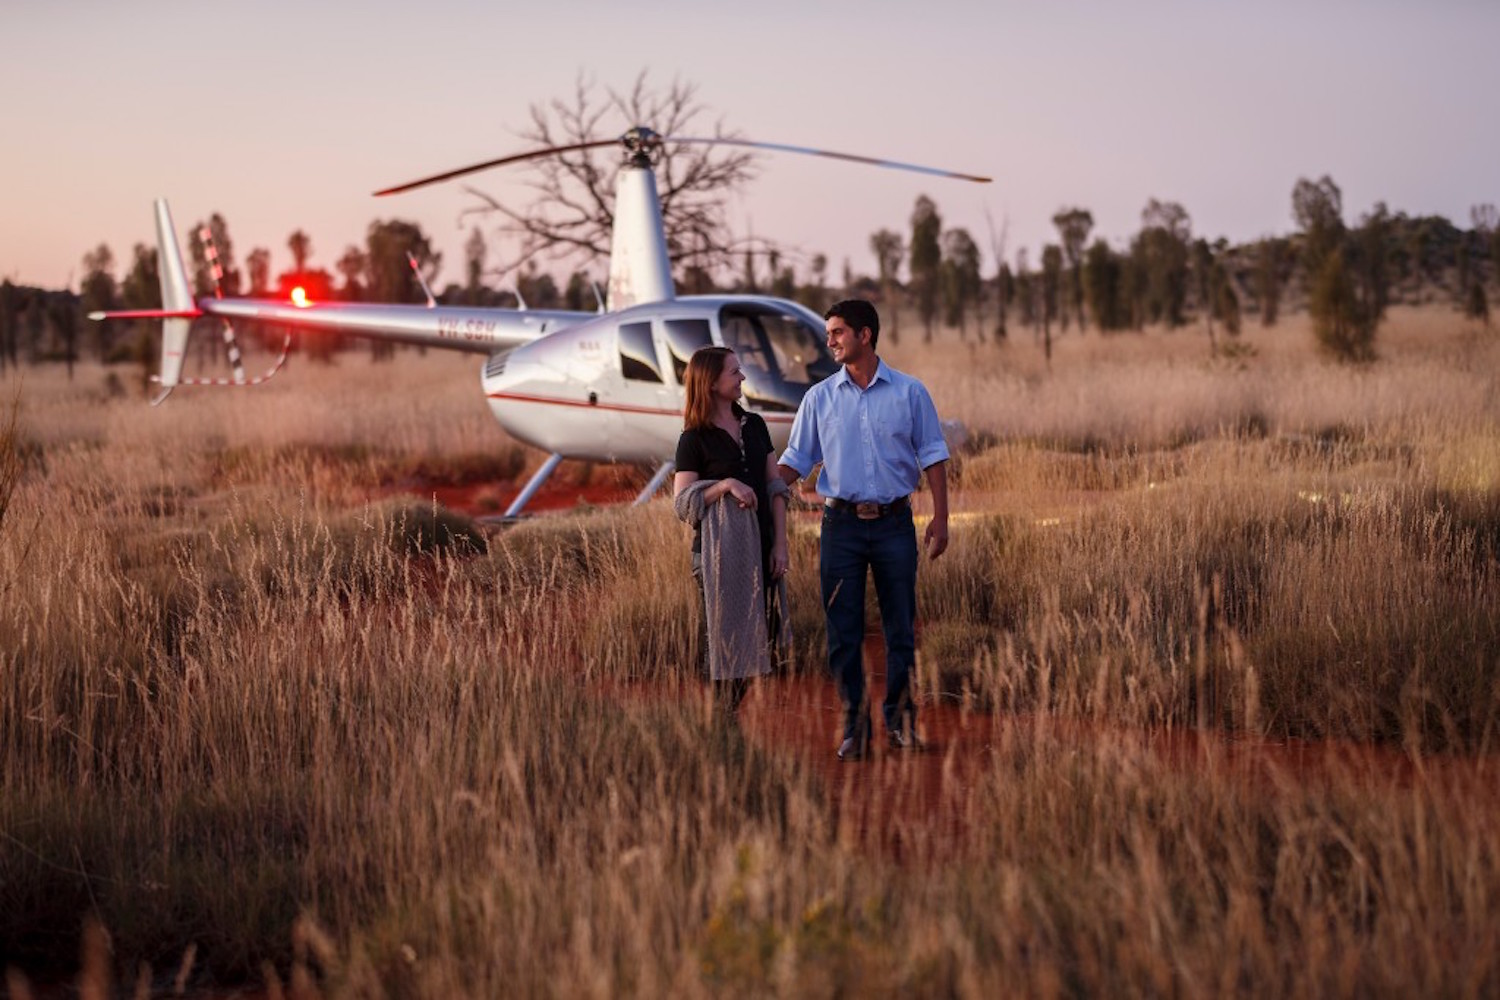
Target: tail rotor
[[179, 309], [216, 271]]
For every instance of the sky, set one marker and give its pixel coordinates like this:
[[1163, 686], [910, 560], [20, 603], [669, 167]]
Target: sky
[[284, 115]]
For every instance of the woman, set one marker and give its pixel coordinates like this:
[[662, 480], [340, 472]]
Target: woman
[[728, 489]]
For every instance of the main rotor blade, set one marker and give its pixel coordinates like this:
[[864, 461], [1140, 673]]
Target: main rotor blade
[[809, 151], [650, 141], [475, 168]]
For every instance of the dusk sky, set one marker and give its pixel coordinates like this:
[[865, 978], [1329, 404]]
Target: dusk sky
[[282, 115]]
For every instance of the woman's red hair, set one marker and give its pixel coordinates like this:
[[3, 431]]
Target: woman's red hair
[[703, 370]]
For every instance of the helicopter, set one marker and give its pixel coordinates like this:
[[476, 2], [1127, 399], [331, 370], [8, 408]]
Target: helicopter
[[604, 386]]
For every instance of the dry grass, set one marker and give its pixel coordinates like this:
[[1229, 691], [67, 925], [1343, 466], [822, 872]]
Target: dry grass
[[252, 705]]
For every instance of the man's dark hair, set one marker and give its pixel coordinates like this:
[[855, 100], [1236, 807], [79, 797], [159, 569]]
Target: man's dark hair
[[859, 314]]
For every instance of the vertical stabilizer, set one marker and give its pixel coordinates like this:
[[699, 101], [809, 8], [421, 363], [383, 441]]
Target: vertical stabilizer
[[639, 268], [176, 296]]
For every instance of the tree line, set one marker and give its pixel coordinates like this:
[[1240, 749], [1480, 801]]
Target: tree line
[[1344, 275]]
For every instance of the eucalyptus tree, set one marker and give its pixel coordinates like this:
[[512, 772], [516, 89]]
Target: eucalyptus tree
[[1349, 273], [389, 272], [475, 251], [300, 244], [1161, 254], [889, 249], [352, 266], [1478, 304], [926, 260], [387, 244], [9, 301], [1104, 287], [1341, 328], [258, 269], [1004, 280], [99, 292], [1204, 264], [1225, 301], [1272, 261], [1371, 252], [221, 257], [67, 320], [1025, 290], [1318, 208], [141, 289], [1052, 268], [817, 289], [1073, 228], [960, 276]]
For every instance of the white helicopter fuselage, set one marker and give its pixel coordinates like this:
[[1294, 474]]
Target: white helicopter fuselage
[[610, 389], [604, 386]]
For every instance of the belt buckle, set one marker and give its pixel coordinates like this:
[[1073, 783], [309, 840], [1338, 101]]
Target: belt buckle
[[867, 511]]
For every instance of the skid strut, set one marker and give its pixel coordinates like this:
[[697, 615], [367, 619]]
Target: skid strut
[[535, 483], [656, 480]]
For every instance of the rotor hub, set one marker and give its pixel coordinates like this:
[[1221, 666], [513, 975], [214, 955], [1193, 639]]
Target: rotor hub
[[642, 146]]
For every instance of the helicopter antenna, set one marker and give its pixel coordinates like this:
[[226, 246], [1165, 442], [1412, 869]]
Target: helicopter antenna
[[412, 260]]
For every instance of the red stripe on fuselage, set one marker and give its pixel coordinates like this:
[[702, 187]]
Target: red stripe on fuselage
[[658, 411]]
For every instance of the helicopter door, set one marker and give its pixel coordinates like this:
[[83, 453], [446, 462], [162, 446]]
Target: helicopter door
[[648, 408]]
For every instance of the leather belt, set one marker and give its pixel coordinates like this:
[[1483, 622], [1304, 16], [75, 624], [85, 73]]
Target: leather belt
[[868, 510]]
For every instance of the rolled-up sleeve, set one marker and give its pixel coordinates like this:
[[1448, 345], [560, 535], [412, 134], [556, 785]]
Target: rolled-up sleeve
[[803, 447], [927, 429]]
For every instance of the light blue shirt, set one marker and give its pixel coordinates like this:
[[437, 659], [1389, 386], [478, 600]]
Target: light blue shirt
[[873, 442]]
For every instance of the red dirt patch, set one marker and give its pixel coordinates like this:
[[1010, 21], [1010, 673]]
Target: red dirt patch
[[915, 806], [568, 488]]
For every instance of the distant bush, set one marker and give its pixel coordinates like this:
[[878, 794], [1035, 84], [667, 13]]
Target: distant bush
[[1345, 328]]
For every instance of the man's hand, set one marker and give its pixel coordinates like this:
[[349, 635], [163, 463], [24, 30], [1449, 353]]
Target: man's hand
[[935, 540]]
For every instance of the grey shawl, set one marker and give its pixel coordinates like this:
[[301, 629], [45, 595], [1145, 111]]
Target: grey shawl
[[733, 595]]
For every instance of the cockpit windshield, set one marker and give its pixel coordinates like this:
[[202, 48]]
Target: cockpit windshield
[[782, 352]]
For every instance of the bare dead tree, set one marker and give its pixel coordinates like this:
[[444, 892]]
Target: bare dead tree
[[573, 212]]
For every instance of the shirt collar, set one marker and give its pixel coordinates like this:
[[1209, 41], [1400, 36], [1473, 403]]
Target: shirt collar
[[881, 372]]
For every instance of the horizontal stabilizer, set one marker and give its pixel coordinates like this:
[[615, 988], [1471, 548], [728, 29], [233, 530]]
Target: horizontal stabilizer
[[146, 314]]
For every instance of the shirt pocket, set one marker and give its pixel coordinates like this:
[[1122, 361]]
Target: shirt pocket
[[892, 431]]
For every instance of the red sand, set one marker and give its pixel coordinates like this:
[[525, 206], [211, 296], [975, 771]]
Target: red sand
[[602, 486], [916, 806]]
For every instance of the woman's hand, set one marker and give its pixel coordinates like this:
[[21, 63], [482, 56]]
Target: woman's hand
[[779, 561], [743, 495]]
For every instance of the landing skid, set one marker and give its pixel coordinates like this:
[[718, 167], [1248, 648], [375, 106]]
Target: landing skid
[[514, 512]]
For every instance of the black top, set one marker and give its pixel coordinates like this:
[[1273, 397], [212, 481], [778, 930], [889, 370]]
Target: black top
[[712, 454]]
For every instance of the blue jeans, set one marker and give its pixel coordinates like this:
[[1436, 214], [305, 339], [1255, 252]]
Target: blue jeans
[[885, 548]]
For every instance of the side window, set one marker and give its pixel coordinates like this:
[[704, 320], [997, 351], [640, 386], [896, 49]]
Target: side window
[[684, 336], [637, 353], [743, 336]]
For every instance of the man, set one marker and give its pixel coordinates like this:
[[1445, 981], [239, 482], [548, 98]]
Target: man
[[875, 430]]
